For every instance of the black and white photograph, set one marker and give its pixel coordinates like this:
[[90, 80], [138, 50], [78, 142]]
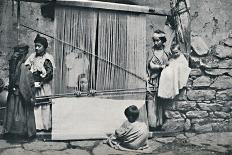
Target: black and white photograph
[[115, 77]]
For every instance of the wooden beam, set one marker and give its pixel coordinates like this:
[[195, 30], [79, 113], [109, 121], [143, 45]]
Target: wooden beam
[[114, 6], [108, 6], [37, 1]]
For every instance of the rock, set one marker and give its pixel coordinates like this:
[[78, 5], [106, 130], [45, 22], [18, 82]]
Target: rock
[[223, 52], [225, 63], [184, 105], [83, 143], [228, 42], [221, 114], [154, 144], [216, 72], [18, 151], [206, 121], [199, 95], [44, 146], [67, 152], [222, 82], [224, 95], [195, 72], [202, 81], [189, 134], [173, 125], [202, 128], [199, 46], [181, 137], [227, 106], [5, 144], [213, 139], [194, 62], [209, 62], [165, 140], [196, 114], [181, 96], [210, 107], [218, 127], [172, 114], [187, 125]]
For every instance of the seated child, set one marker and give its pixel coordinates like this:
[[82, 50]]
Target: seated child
[[132, 134]]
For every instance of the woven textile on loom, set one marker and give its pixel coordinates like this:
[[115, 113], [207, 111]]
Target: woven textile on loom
[[115, 52]]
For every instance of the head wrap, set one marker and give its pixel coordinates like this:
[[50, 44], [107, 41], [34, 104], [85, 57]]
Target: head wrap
[[41, 40]]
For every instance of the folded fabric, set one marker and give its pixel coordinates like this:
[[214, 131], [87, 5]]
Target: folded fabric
[[174, 77]]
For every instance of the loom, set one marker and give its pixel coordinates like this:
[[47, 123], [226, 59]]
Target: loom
[[112, 37]]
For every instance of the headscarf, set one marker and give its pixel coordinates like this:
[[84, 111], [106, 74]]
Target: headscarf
[[41, 40]]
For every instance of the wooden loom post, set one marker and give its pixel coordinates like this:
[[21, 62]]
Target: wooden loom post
[[181, 12]]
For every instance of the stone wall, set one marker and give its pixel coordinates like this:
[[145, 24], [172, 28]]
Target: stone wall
[[206, 104]]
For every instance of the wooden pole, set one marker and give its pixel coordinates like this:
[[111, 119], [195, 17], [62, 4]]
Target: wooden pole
[[18, 20]]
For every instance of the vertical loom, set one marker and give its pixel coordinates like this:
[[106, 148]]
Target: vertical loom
[[114, 43]]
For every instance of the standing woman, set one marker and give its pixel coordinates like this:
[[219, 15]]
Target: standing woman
[[41, 64], [19, 119], [155, 65]]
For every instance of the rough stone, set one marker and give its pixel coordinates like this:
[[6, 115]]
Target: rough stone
[[181, 136], [195, 72], [184, 105], [213, 140], [196, 114], [228, 42], [165, 140], [199, 46], [5, 145], [203, 121], [225, 63], [153, 144], [216, 72], [210, 107], [172, 114], [172, 125], [43, 146], [224, 95], [223, 51], [83, 143], [227, 106], [199, 95], [189, 134], [18, 151], [222, 82], [181, 96], [187, 125], [194, 62], [209, 62], [67, 152], [220, 114], [202, 81], [202, 128]]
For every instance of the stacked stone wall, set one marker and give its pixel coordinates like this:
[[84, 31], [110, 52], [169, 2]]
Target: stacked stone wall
[[205, 105]]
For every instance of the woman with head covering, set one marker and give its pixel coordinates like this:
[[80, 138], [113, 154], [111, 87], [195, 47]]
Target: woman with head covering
[[156, 63], [20, 120], [41, 64]]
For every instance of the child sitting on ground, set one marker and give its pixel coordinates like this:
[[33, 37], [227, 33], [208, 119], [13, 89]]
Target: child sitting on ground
[[132, 134]]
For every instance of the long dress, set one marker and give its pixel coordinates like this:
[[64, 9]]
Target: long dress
[[42, 68], [19, 118], [154, 107]]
